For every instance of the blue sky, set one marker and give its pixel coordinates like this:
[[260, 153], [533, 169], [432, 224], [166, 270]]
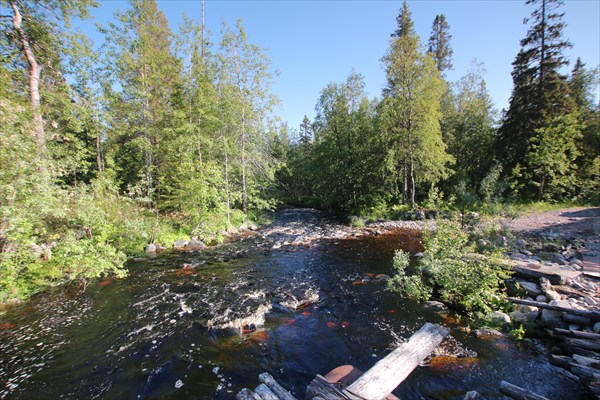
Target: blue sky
[[312, 43]]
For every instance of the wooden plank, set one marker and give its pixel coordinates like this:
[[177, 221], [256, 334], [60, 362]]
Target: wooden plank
[[247, 394], [593, 315], [518, 393], [388, 373], [265, 393], [272, 384]]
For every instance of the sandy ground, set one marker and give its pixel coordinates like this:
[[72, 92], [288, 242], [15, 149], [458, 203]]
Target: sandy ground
[[579, 223]]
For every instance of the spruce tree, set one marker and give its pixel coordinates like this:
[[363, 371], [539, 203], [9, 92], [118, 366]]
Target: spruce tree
[[439, 43], [540, 93]]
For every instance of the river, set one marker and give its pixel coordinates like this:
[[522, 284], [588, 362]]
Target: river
[[202, 325]]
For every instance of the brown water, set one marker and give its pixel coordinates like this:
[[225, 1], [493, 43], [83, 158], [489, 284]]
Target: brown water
[[162, 332]]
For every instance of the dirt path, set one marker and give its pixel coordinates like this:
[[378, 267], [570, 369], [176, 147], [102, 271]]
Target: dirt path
[[579, 223]]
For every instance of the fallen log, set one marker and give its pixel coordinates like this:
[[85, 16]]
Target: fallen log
[[582, 371], [388, 373], [272, 384], [593, 315], [587, 361], [583, 343], [577, 319], [576, 334], [527, 273], [518, 393], [560, 361]]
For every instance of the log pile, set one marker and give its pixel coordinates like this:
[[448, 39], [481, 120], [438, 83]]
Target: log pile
[[583, 359]]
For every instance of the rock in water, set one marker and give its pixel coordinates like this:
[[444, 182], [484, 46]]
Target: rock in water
[[180, 244], [436, 305], [194, 245]]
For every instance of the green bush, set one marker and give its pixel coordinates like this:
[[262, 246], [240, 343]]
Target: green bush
[[450, 270]]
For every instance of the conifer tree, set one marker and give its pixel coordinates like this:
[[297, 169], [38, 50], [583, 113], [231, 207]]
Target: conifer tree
[[540, 93], [439, 43]]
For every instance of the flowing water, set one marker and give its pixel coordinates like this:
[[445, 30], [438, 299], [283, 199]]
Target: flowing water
[[203, 325]]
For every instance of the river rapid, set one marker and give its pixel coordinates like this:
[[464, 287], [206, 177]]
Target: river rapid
[[297, 299]]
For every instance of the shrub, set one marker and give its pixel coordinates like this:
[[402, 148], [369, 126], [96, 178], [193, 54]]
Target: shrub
[[451, 271]]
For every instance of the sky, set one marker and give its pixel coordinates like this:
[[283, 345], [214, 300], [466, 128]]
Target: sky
[[313, 43]]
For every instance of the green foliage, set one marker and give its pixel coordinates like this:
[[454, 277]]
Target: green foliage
[[412, 286], [449, 270]]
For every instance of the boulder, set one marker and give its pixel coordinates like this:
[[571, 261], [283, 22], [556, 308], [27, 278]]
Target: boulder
[[597, 327], [517, 317], [541, 298], [159, 247], [151, 248], [436, 305], [487, 333], [381, 278], [419, 215], [521, 244], [553, 295], [180, 244], [418, 255], [552, 319], [501, 241], [499, 317], [194, 245], [531, 312], [531, 288]]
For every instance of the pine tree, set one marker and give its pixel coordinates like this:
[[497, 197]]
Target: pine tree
[[411, 109], [439, 43], [540, 92]]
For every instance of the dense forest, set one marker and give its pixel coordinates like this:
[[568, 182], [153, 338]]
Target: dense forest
[[160, 135]]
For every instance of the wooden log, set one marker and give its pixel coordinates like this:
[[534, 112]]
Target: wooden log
[[583, 343], [577, 319], [593, 315], [247, 394], [272, 384], [579, 351], [587, 361], [582, 371], [560, 361], [265, 393], [576, 334], [473, 395], [518, 393], [388, 373], [527, 273], [319, 387]]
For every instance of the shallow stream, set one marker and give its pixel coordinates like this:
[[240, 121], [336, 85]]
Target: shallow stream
[[203, 325]]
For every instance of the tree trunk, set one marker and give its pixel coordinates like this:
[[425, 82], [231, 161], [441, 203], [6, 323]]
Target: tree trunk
[[227, 183], [34, 81]]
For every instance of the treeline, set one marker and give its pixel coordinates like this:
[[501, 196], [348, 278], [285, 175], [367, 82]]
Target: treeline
[[433, 143], [160, 135], [157, 135]]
